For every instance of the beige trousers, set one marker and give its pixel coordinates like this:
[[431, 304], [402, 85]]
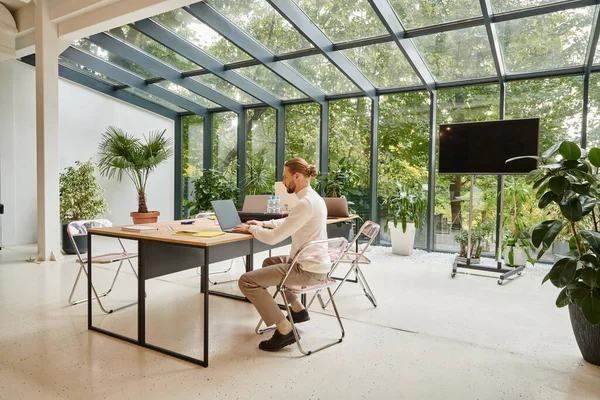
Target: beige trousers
[[254, 285]]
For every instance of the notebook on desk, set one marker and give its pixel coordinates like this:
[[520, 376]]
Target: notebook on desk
[[207, 234], [139, 228]]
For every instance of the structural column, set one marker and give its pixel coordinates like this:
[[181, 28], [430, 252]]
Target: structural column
[[46, 76]]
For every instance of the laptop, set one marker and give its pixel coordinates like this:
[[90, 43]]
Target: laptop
[[226, 214], [336, 207]]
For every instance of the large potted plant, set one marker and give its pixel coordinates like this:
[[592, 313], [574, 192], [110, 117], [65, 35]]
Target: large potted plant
[[123, 153], [567, 180], [81, 198], [406, 204]]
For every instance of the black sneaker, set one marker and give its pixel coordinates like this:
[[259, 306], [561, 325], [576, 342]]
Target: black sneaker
[[300, 316], [278, 341]]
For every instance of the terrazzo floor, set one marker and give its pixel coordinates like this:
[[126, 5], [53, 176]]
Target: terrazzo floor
[[431, 337]]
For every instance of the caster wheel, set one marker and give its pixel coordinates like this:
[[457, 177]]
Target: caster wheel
[[452, 275], [519, 273], [500, 282]]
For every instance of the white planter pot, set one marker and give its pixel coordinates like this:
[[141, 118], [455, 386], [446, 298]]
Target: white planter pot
[[519, 257], [402, 242]]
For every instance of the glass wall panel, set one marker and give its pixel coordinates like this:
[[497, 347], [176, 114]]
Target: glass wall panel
[[187, 94], [455, 55], [546, 41], [137, 39], [221, 85], [193, 136], [302, 132], [65, 62], [403, 149], [558, 102], [225, 144], [343, 20], [350, 149], [593, 122], [262, 22], [384, 65], [267, 79], [153, 99], [260, 151], [416, 14], [320, 72], [200, 35], [510, 5], [123, 63], [452, 192]]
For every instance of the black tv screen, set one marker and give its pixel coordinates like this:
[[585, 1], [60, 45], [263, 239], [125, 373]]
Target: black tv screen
[[483, 147]]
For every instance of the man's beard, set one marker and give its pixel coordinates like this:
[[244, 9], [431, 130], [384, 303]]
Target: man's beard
[[290, 190]]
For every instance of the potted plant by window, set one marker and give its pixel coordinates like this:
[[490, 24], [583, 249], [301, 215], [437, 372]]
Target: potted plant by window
[[340, 181], [570, 184], [406, 204], [478, 236], [516, 244], [123, 153], [81, 198], [210, 185]]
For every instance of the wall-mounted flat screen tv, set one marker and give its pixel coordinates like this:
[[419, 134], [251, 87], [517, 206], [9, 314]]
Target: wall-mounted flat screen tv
[[480, 148]]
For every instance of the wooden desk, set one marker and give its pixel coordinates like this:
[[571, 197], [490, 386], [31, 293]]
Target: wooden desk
[[161, 253]]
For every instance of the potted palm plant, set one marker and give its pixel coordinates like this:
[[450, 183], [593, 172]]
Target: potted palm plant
[[81, 198], [405, 203], [123, 153], [567, 181]]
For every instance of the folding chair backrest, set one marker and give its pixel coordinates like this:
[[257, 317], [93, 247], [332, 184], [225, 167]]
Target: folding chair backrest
[[369, 229], [80, 228], [327, 251]]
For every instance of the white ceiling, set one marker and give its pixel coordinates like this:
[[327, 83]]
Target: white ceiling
[[12, 5]]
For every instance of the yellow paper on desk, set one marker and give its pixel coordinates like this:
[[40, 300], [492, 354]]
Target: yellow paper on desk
[[208, 234]]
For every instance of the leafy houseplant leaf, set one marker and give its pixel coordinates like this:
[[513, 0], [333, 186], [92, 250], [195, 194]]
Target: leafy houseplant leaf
[[594, 157], [569, 150], [591, 309], [578, 290], [562, 272], [589, 260], [593, 240], [572, 209], [588, 276], [545, 200], [562, 300], [545, 233], [558, 184], [533, 176]]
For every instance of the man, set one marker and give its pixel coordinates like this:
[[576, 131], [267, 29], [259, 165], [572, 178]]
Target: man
[[307, 221]]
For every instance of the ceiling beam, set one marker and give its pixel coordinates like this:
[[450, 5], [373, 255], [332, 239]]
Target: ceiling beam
[[291, 12], [486, 10], [169, 39], [159, 68], [120, 75], [237, 36]]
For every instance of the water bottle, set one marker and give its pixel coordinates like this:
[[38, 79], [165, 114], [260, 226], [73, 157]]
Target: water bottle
[[277, 205], [270, 204]]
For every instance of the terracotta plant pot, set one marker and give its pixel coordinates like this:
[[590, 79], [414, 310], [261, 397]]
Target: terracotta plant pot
[[144, 218]]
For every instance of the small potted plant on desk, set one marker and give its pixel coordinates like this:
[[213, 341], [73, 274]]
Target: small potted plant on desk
[[122, 153], [570, 184], [81, 198], [405, 203]]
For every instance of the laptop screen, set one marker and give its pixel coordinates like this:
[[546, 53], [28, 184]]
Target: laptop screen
[[226, 214]]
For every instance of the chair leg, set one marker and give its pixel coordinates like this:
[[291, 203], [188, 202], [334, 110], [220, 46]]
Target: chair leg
[[352, 268], [366, 288], [309, 352], [96, 296], [220, 272]]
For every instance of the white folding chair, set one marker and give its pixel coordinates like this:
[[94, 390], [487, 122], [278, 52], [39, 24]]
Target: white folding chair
[[323, 251], [80, 228], [370, 230]]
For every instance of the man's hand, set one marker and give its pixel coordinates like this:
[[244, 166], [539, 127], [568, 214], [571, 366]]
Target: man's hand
[[242, 228], [253, 222]]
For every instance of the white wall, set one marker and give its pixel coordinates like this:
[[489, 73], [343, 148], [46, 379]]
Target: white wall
[[83, 117]]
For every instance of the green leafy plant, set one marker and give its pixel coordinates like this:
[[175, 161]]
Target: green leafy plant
[[477, 238], [405, 203], [81, 196], [518, 235], [210, 185], [570, 184], [123, 153], [259, 174], [340, 181]]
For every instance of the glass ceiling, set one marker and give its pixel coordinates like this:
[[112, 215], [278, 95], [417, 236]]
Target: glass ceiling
[[446, 40]]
